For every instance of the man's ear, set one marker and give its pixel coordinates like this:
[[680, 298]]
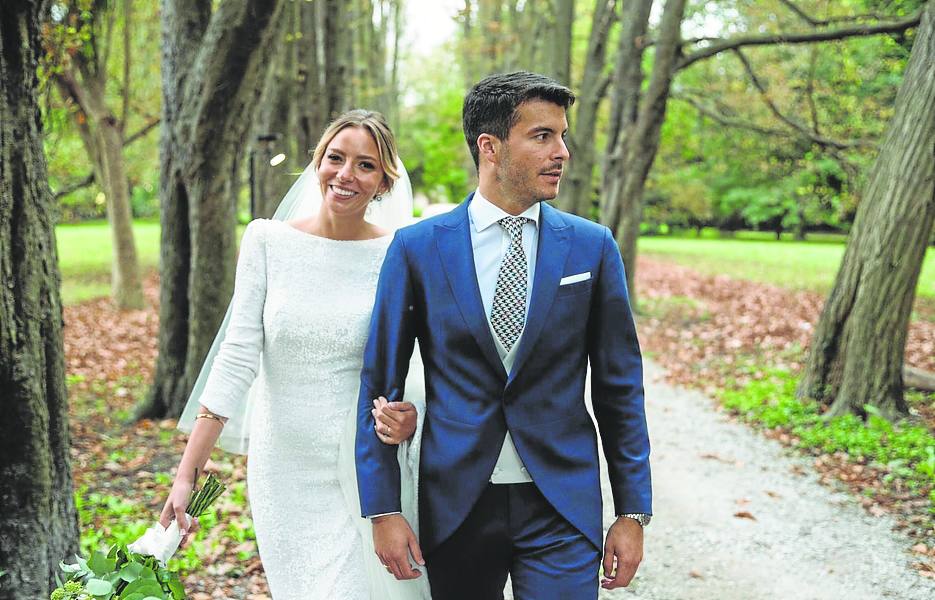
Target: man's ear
[[488, 147]]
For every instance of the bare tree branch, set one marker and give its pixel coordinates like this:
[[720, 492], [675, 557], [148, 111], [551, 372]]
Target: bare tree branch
[[603, 85], [728, 121], [74, 187], [808, 37], [694, 40], [86, 181], [143, 131], [802, 14], [803, 130], [810, 89], [823, 22], [845, 163]]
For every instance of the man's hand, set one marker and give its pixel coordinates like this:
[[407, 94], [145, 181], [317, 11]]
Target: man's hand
[[393, 541], [394, 422], [624, 545]]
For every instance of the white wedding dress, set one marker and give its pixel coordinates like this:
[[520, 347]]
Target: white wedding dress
[[299, 321]]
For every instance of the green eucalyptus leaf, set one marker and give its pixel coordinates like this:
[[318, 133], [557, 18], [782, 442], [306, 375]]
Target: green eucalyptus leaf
[[99, 587], [67, 568], [178, 591], [147, 573], [100, 564], [146, 587], [131, 571], [82, 563]]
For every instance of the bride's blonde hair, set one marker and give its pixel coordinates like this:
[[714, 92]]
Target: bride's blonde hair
[[380, 131]]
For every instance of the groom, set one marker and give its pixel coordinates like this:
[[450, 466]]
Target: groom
[[510, 300]]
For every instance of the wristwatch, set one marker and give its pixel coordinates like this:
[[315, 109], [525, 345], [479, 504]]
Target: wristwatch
[[642, 518]]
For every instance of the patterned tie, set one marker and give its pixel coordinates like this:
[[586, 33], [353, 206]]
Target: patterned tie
[[508, 315]]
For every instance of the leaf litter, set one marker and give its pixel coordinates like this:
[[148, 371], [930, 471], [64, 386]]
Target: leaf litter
[[702, 329]]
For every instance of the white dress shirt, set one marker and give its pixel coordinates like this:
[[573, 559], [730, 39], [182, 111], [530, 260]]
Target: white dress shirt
[[489, 242]]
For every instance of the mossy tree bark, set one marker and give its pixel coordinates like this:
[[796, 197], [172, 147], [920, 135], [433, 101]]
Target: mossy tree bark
[[38, 522]]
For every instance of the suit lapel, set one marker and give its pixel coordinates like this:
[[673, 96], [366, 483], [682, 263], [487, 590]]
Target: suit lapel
[[453, 240], [554, 244]]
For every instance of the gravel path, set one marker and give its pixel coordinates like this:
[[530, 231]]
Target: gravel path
[[807, 542]]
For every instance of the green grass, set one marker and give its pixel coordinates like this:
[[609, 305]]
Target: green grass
[[788, 264], [84, 255], [84, 252]]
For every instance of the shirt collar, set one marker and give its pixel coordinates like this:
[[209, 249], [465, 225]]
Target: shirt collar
[[485, 213]]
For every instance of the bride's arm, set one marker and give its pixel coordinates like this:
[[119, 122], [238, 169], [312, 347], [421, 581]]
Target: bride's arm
[[231, 373], [201, 442]]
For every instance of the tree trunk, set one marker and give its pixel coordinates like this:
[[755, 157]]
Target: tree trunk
[[490, 19], [271, 133], [576, 193], [560, 44], [856, 355], [103, 137], [800, 223], [126, 283], [393, 92], [338, 64], [310, 113], [636, 149], [918, 379], [211, 67], [469, 49], [38, 521], [625, 92]]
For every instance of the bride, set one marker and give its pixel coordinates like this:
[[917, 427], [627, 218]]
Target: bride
[[280, 383]]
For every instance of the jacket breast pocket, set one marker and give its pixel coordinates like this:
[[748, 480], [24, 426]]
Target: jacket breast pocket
[[573, 289]]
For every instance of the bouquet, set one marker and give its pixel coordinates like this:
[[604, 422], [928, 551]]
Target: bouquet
[[136, 571]]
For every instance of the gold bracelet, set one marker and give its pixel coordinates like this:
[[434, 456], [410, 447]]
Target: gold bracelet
[[209, 416]]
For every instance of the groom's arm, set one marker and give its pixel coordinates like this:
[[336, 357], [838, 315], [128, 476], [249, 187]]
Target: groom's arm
[[617, 385], [617, 397], [385, 365]]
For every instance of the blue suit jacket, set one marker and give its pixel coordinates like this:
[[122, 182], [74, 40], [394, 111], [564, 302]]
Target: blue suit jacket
[[428, 290]]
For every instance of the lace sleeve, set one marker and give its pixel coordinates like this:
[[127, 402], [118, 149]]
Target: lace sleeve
[[238, 358]]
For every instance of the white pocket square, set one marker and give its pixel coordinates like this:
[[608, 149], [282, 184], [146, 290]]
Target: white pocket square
[[575, 278]]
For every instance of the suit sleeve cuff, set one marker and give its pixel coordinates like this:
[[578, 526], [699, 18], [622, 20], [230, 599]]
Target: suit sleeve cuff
[[383, 514]]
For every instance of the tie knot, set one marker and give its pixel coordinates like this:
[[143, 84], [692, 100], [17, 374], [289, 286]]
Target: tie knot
[[513, 225]]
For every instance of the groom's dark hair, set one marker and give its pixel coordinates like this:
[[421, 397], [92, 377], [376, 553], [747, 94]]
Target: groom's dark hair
[[490, 106]]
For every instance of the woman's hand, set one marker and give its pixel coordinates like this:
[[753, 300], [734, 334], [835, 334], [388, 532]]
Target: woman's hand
[[394, 422], [175, 508]]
